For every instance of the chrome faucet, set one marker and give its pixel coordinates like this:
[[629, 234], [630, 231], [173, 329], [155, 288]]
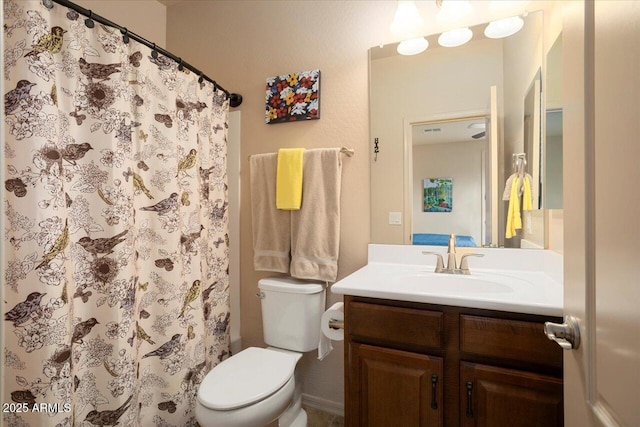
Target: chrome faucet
[[451, 259]]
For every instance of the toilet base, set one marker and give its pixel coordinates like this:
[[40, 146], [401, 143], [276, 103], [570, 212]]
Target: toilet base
[[299, 421], [294, 416]]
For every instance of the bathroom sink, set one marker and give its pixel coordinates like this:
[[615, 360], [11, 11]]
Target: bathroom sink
[[502, 280], [478, 285]]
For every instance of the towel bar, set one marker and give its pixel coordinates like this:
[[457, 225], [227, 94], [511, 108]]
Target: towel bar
[[348, 151], [344, 150]]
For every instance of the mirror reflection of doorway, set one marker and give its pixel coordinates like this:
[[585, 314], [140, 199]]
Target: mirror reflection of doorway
[[453, 157]]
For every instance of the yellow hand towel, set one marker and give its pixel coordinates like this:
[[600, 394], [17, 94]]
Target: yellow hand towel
[[526, 195], [514, 222], [289, 178]]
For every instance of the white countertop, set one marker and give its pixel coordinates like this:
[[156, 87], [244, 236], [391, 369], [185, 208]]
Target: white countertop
[[525, 287]]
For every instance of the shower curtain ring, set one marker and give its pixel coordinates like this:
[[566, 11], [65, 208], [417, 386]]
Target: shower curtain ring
[[180, 66], [201, 78], [89, 21], [125, 35], [154, 52], [48, 4]]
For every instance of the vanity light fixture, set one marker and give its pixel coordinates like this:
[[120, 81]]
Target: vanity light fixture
[[455, 38], [407, 20], [407, 23], [412, 46], [453, 12], [504, 27]]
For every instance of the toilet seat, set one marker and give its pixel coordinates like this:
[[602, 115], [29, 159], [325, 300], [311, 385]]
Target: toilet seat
[[246, 378]]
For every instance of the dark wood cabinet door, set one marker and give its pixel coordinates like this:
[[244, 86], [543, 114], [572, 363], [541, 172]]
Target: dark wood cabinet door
[[393, 388], [497, 397]]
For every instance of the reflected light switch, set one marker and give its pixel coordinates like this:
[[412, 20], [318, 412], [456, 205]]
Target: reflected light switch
[[395, 218]]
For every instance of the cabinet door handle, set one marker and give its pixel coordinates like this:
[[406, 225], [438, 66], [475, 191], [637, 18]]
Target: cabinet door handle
[[469, 403], [434, 391]]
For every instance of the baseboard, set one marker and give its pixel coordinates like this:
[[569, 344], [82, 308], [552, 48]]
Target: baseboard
[[324, 405]]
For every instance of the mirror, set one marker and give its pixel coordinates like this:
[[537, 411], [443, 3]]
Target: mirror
[[552, 198], [484, 81], [532, 136]]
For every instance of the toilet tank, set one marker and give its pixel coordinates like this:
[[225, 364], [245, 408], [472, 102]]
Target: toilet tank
[[291, 312]]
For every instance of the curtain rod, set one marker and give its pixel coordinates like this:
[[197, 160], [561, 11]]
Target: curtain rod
[[235, 99]]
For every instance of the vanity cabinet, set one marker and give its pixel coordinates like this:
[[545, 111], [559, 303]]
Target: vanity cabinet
[[414, 364], [494, 396], [397, 388]]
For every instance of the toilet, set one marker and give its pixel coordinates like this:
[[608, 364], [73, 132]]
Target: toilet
[[260, 385]]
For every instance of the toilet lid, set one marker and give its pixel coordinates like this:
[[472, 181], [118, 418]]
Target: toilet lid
[[247, 377]]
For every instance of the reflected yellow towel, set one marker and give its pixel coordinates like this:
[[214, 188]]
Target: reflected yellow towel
[[526, 195], [514, 222], [289, 178]]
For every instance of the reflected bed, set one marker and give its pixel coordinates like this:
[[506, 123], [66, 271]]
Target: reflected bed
[[433, 239]]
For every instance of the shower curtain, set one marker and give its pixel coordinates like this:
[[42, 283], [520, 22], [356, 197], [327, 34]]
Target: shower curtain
[[115, 243]]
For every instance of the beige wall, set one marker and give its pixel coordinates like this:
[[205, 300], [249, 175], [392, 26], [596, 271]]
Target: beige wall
[[147, 18], [554, 219], [240, 44]]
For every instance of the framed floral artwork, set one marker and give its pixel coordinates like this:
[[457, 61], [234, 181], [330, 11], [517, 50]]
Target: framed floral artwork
[[293, 97]]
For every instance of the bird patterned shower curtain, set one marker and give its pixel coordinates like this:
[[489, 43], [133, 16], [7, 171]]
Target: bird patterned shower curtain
[[115, 245]]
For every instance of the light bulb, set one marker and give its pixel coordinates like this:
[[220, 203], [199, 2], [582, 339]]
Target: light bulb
[[407, 20], [454, 12], [503, 27], [455, 38], [413, 46]]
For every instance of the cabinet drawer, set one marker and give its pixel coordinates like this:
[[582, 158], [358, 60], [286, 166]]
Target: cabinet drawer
[[404, 327], [508, 339]]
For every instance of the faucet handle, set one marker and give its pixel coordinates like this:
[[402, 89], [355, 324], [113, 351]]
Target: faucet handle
[[439, 260], [464, 264]]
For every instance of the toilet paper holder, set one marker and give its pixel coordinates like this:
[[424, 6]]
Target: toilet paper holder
[[336, 324]]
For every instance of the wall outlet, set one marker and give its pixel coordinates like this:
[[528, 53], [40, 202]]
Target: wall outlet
[[395, 218]]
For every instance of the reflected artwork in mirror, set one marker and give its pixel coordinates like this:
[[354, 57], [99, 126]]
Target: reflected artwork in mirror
[[483, 83]]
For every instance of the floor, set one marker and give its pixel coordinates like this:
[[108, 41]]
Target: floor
[[316, 418], [322, 419]]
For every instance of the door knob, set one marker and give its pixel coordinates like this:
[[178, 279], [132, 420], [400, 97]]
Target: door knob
[[566, 334]]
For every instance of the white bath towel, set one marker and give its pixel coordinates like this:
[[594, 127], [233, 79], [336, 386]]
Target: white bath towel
[[271, 226], [507, 186], [315, 228]]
